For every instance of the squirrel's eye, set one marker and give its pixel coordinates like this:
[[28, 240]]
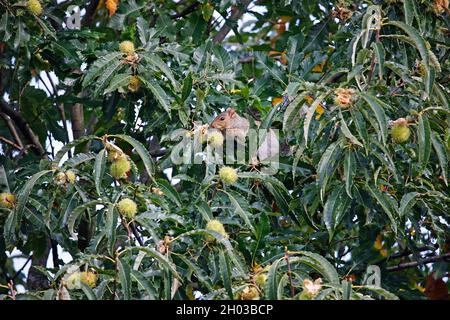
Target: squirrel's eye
[[222, 118]]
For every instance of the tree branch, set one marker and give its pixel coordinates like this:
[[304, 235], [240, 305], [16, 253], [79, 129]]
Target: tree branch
[[12, 129], [24, 127], [186, 11], [90, 12], [412, 264], [236, 14], [12, 143]]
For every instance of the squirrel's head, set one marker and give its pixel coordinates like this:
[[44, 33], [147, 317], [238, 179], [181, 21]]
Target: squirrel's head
[[224, 120]]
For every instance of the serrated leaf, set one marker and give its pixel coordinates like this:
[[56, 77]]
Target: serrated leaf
[[159, 94], [380, 53], [326, 165], [24, 193], [118, 81], [69, 146], [310, 114], [442, 155], [142, 281], [88, 291], [378, 290], [225, 272], [349, 171], [99, 170], [99, 66], [187, 87], [158, 63], [124, 277], [423, 142], [346, 131], [158, 256], [74, 215], [375, 106], [407, 202], [243, 214], [141, 150], [386, 203]]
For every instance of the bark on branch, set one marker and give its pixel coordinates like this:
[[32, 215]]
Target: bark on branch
[[412, 264], [236, 14], [24, 128]]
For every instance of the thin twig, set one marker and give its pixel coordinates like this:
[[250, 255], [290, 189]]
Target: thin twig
[[289, 272], [21, 269], [10, 143], [412, 264], [236, 14], [12, 129], [189, 9]]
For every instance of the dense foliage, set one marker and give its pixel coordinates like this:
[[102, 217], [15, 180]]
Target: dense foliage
[[90, 115]]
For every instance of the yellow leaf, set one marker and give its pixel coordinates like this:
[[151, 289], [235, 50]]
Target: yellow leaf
[[318, 68], [100, 4], [111, 5], [319, 110], [235, 91], [378, 243], [276, 100]]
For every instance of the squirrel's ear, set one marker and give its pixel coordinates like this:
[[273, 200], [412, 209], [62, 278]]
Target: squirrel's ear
[[231, 112]]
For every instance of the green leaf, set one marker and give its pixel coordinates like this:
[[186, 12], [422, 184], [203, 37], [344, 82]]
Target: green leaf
[[292, 114], [99, 67], [380, 54], [163, 260], [386, 203], [159, 94], [408, 8], [382, 292], [334, 210], [118, 81], [273, 280], [22, 35], [4, 26], [442, 155], [142, 27], [47, 27], [4, 185], [408, 201], [225, 272], [243, 214], [142, 281], [124, 277], [112, 217], [349, 171], [220, 239], [327, 164], [169, 191], [346, 290], [273, 70], [88, 291], [310, 113], [419, 43], [375, 105], [141, 150], [99, 170], [69, 146], [322, 265], [76, 213], [346, 131], [424, 142], [187, 87], [158, 63], [24, 193], [78, 159]]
